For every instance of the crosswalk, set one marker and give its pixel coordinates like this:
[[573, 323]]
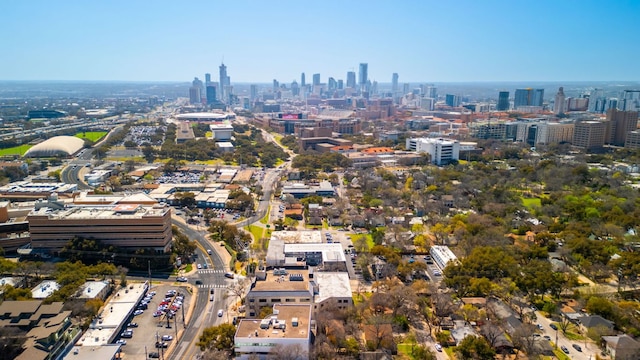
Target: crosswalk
[[210, 271], [215, 286]]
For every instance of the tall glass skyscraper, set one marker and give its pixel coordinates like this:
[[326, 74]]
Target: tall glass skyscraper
[[503, 101], [363, 75]]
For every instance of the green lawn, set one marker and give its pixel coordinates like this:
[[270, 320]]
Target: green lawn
[[256, 231], [405, 348], [265, 219], [93, 136], [560, 355], [16, 150], [530, 203], [369, 238]]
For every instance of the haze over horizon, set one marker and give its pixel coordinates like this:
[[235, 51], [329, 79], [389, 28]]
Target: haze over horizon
[[422, 41]]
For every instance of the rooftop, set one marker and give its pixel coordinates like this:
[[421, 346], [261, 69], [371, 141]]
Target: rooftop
[[122, 211], [282, 283], [284, 314], [332, 285]]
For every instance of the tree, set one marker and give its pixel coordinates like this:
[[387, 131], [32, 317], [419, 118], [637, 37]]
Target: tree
[[288, 352], [217, 337], [475, 348]]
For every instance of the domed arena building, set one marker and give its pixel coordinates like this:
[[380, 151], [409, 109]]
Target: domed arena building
[[62, 146]]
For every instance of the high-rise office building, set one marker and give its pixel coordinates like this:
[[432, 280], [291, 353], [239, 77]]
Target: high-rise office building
[[340, 84], [394, 82], [316, 79], [589, 135], [224, 83], [295, 89], [559, 102], [276, 85], [195, 91], [333, 84], [432, 92], [303, 82], [619, 123], [363, 75], [405, 88], [207, 79], [253, 92], [194, 95], [629, 100], [351, 79], [503, 101], [596, 101], [528, 97], [452, 100], [211, 94]]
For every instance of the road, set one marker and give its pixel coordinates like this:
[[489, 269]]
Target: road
[[589, 350], [205, 311]]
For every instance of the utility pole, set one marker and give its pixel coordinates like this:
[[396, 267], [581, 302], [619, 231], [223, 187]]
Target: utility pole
[[149, 269]]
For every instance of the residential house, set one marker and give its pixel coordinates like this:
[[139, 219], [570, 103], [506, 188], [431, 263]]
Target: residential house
[[622, 347], [593, 322]]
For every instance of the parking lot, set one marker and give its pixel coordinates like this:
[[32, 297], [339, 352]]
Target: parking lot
[[153, 330]]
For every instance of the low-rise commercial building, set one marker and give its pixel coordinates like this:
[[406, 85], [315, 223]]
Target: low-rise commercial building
[[288, 326], [442, 255]]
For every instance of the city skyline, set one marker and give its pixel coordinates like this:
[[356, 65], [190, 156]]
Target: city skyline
[[422, 41]]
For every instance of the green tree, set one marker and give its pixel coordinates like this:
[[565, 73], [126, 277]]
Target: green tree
[[217, 337], [476, 348]]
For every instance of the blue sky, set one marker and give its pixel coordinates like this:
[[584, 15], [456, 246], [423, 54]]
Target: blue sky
[[422, 40]]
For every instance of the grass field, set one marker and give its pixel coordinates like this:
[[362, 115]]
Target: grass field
[[256, 231], [16, 150], [531, 202], [93, 136], [369, 238]]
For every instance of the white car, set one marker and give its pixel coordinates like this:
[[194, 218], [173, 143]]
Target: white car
[[438, 347], [167, 337], [220, 312], [199, 266]]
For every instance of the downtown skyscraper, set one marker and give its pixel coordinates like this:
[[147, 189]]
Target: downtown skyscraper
[[363, 76], [225, 84]]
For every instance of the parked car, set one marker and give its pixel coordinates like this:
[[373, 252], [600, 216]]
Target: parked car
[[138, 312], [127, 334], [438, 347], [181, 279], [163, 345], [167, 337], [122, 342], [553, 326], [132, 325], [577, 347], [564, 348], [154, 355]]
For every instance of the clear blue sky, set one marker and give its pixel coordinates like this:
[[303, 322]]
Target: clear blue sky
[[261, 40]]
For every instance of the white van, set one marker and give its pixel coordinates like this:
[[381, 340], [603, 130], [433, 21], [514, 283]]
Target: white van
[[209, 251]]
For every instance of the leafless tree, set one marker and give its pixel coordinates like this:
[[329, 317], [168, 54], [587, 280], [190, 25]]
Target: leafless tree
[[288, 352]]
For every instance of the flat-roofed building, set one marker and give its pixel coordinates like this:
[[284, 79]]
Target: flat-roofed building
[[442, 151], [278, 286], [221, 131], [184, 132], [442, 255], [27, 190], [130, 226], [289, 325], [589, 135]]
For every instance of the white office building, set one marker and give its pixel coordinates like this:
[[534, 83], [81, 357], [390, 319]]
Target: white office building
[[442, 151], [442, 255]]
